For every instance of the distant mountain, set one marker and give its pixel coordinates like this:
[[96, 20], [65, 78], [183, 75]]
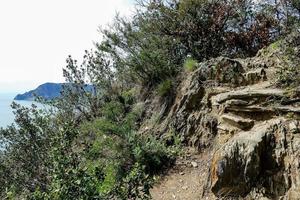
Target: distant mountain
[[48, 91]]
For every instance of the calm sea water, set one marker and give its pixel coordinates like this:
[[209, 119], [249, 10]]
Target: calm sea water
[[6, 114]]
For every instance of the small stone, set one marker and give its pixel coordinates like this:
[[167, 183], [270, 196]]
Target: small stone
[[194, 164], [185, 187], [180, 180], [181, 173]]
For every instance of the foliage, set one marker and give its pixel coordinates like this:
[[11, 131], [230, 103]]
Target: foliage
[[287, 73], [295, 4], [147, 57], [25, 158], [87, 88], [101, 159], [109, 161], [190, 64], [152, 47], [90, 148], [165, 88]]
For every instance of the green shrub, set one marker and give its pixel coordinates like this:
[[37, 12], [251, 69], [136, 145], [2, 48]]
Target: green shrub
[[190, 64], [113, 111], [132, 117], [287, 73], [129, 96], [108, 160], [151, 152], [288, 76], [165, 88]]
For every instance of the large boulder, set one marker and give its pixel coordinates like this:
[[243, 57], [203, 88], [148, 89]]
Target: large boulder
[[262, 162], [236, 166]]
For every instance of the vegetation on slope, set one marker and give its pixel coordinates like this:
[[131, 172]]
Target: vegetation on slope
[[89, 147]]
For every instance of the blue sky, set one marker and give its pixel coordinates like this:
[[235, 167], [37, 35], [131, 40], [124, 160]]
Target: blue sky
[[36, 36]]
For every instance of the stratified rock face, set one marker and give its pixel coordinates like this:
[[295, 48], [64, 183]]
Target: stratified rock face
[[239, 164], [232, 108], [262, 158], [190, 114], [240, 122]]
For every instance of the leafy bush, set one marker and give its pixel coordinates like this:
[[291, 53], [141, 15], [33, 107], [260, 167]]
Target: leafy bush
[[104, 159], [288, 71], [130, 96], [25, 158], [148, 58], [152, 47], [165, 88], [113, 111]]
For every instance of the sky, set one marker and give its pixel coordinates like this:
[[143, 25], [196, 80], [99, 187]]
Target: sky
[[36, 36]]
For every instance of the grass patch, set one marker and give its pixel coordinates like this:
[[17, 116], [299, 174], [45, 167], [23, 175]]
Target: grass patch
[[165, 88], [190, 64]]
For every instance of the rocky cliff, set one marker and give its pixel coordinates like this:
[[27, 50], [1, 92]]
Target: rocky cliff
[[234, 112]]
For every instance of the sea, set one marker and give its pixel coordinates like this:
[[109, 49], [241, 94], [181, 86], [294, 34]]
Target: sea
[[6, 112]]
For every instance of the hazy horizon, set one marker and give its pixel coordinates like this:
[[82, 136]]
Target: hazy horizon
[[36, 37], [20, 91]]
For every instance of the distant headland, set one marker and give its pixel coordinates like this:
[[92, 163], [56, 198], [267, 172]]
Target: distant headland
[[47, 90]]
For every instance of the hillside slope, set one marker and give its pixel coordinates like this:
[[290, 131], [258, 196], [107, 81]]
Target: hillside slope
[[243, 122]]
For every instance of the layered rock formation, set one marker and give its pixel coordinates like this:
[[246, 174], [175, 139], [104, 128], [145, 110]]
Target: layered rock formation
[[233, 108]]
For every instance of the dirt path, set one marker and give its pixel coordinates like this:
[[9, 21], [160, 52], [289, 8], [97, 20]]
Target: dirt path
[[185, 181]]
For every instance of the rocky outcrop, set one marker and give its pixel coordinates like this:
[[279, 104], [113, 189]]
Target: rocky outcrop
[[236, 166], [247, 94], [241, 163], [237, 121], [234, 109]]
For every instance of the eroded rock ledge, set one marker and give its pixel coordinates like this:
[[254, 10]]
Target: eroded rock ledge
[[233, 109]]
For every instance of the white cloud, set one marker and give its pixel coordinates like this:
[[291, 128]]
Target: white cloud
[[37, 35]]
